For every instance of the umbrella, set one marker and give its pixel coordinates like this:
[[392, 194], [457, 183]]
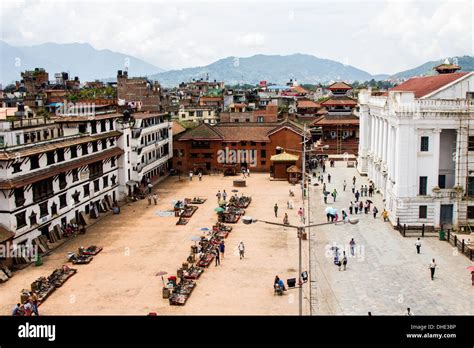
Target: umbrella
[[470, 268], [331, 211], [235, 190], [219, 210], [370, 201], [204, 229], [161, 273]]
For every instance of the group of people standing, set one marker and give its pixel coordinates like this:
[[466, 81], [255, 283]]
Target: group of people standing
[[29, 308]]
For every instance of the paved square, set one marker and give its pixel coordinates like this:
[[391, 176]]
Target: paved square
[[386, 275]]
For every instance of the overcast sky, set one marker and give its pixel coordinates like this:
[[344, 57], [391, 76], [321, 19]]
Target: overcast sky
[[376, 36]]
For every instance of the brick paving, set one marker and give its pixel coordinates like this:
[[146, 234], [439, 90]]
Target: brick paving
[[386, 276]]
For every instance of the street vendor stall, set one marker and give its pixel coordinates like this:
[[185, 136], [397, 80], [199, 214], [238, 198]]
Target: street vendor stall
[[181, 292]]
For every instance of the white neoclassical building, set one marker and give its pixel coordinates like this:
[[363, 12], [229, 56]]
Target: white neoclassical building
[[417, 145]]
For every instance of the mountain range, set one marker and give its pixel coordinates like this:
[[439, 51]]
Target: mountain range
[[273, 68], [79, 59], [88, 63]]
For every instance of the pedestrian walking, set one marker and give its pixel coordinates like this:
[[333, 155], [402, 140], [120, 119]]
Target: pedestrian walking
[[301, 214], [344, 184], [409, 312], [200, 176], [361, 190], [155, 198], [371, 191], [344, 215], [224, 195], [275, 209], [418, 246], [361, 206], [356, 208], [241, 248], [190, 176], [432, 268], [353, 189], [222, 248], [248, 172], [334, 195], [352, 244], [285, 220], [366, 190], [218, 195], [149, 199], [329, 178], [34, 303], [324, 187], [325, 193], [375, 211], [385, 215], [217, 256], [357, 195], [354, 180], [351, 208], [344, 260], [324, 168]]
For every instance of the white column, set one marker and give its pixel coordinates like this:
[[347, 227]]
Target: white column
[[377, 131], [389, 148], [435, 149], [385, 141]]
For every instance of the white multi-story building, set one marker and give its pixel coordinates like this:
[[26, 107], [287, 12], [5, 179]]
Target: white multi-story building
[[70, 169], [148, 149], [417, 146]]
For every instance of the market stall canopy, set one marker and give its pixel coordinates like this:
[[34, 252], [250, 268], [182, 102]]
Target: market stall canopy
[[219, 210], [293, 169]]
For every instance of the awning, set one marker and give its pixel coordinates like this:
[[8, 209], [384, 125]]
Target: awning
[[131, 183], [5, 234]]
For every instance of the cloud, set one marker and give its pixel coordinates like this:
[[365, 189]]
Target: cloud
[[377, 36], [252, 40]]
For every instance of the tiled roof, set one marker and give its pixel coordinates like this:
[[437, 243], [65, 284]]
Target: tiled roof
[[334, 101], [201, 132], [254, 132], [284, 157], [340, 85], [342, 120], [423, 86], [293, 169], [178, 128], [257, 132], [299, 89], [307, 104]]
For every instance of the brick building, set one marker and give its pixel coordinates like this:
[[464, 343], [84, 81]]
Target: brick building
[[266, 115], [233, 146], [139, 91]]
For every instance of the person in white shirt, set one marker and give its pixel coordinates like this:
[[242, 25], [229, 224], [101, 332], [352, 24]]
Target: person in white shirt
[[418, 245], [432, 268]]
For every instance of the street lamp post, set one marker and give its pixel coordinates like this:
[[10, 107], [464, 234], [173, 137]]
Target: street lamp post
[[300, 232]]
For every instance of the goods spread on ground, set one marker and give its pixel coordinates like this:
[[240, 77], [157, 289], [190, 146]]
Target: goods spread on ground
[[179, 288], [197, 200], [44, 286]]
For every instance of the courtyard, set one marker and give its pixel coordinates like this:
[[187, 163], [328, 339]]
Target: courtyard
[[384, 277], [138, 243]]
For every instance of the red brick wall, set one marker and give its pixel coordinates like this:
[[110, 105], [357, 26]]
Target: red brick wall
[[284, 138]]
